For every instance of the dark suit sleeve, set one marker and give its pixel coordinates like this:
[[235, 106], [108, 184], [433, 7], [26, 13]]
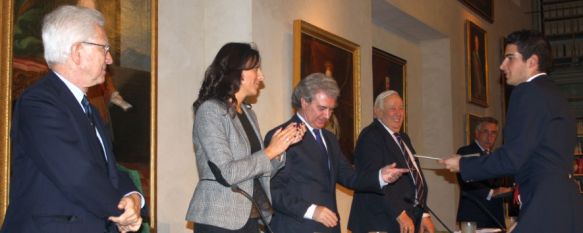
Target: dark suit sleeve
[[479, 189], [52, 138], [365, 180], [282, 199], [522, 134]]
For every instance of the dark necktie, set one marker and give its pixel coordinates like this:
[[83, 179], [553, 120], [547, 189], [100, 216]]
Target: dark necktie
[[89, 113], [416, 175], [88, 110], [110, 166], [322, 146]]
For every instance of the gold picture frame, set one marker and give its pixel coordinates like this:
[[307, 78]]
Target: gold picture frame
[[484, 8], [389, 72], [477, 65], [7, 25], [317, 50]]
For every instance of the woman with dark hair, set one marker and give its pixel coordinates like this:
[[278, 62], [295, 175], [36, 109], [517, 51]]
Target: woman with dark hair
[[226, 133]]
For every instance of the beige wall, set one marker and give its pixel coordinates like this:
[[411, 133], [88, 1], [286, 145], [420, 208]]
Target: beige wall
[[191, 32]]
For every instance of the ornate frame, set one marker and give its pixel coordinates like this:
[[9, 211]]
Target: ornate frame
[[332, 48], [477, 80], [484, 8], [6, 33]]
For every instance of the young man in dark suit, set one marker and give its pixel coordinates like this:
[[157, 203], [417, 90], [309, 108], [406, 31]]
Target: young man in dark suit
[[64, 172], [304, 191], [484, 192], [539, 140], [401, 206]]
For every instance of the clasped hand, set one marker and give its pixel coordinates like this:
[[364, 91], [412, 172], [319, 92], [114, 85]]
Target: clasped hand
[[130, 219]]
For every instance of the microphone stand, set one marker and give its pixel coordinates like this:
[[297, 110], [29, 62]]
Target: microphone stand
[[483, 208], [408, 200], [221, 180], [438, 219]]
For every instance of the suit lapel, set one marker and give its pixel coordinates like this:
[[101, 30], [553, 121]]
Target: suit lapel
[[241, 135], [108, 150], [311, 145], [244, 108], [69, 101], [329, 159], [391, 146]]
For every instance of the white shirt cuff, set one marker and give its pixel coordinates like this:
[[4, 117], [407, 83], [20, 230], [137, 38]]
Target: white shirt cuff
[[381, 181], [490, 194], [425, 215], [310, 212]]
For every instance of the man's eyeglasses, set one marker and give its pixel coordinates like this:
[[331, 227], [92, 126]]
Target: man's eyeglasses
[[106, 47]]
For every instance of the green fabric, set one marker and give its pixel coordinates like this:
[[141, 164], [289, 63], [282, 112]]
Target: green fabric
[[136, 179]]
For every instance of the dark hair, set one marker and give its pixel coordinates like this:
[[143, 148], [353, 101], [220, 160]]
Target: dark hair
[[532, 43], [222, 78], [485, 120]]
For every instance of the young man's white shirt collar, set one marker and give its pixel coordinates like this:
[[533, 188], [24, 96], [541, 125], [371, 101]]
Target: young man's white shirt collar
[[535, 76]]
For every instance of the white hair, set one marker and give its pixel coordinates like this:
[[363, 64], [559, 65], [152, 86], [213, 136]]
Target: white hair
[[378, 102], [64, 27]]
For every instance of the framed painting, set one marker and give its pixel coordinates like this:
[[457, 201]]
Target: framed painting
[[471, 123], [316, 50], [476, 65], [131, 123], [484, 8], [389, 72]]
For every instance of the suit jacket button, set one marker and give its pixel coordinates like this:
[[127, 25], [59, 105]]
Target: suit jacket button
[[72, 218]]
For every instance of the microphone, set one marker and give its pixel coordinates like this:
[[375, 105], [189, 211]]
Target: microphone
[[483, 208], [221, 180]]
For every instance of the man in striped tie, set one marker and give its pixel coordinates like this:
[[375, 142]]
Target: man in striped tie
[[304, 191], [401, 206]]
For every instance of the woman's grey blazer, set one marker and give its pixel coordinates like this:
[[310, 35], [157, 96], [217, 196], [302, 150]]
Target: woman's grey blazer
[[220, 138]]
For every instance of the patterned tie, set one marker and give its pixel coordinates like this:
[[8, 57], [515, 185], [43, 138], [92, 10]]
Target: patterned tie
[[88, 110], [321, 143], [415, 174]]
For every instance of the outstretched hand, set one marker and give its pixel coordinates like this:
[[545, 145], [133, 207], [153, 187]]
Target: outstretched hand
[[452, 164], [391, 173]]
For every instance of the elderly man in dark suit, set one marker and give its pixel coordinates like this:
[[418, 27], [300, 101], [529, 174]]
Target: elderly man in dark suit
[[400, 207], [539, 140], [486, 192], [304, 191], [64, 171]]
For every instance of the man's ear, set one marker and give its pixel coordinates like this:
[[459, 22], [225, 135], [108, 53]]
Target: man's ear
[[304, 103], [532, 62], [76, 53], [377, 112]]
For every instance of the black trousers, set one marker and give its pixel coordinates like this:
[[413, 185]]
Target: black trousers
[[252, 226], [417, 217]]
